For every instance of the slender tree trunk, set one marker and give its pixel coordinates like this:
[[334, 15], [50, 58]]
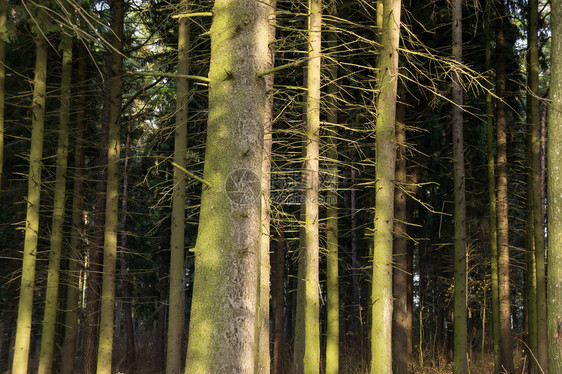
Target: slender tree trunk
[[502, 203], [223, 313], [46, 357], [177, 241], [277, 298], [538, 226], [332, 257], [105, 346], [400, 357], [311, 225], [299, 332], [460, 323], [492, 199], [263, 359], [381, 294], [25, 307], [554, 150], [77, 228]]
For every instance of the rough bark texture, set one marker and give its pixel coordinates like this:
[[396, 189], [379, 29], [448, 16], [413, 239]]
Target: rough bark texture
[[263, 361], [46, 357], [312, 248], [381, 294], [105, 345], [25, 306], [177, 241], [222, 325], [554, 167], [502, 203]]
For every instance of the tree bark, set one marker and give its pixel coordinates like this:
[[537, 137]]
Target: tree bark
[[460, 292], [46, 357], [502, 203], [381, 294], [25, 306], [105, 346], [177, 240], [223, 314], [554, 170]]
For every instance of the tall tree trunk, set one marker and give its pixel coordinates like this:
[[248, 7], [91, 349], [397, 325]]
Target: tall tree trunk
[[381, 294], [177, 240], [400, 357], [554, 150], [492, 199], [311, 361], [263, 359], [332, 256], [502, 203], [277, 298], [538, 226], [77, 227], [25, 307], [46, 357], [105, 346], [460, 293], [223, 314]]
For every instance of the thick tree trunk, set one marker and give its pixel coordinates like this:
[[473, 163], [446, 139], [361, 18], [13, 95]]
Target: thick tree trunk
[[46, 357], [25, 307], [105, 346], [177, 241], [554, 152], [381, 294], [502, 203], [460, 323], [263, 358], [223, 314]]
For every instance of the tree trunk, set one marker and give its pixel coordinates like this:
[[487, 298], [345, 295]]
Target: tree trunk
[[538, 226], [3, 18], [554, 150], [177, 240], [46, 357], [25, 307], [502, 203], [223, 319], [263, 359], [105, 346], [460, 294], [332, 257], [311, 361], [381, 294], [400, 357]]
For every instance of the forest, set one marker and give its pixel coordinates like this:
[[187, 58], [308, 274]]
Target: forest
[[280, 186]]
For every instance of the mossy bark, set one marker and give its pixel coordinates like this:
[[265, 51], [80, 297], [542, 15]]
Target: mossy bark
[[46, 356], [223, 313], [25, 306], [381, 294]]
